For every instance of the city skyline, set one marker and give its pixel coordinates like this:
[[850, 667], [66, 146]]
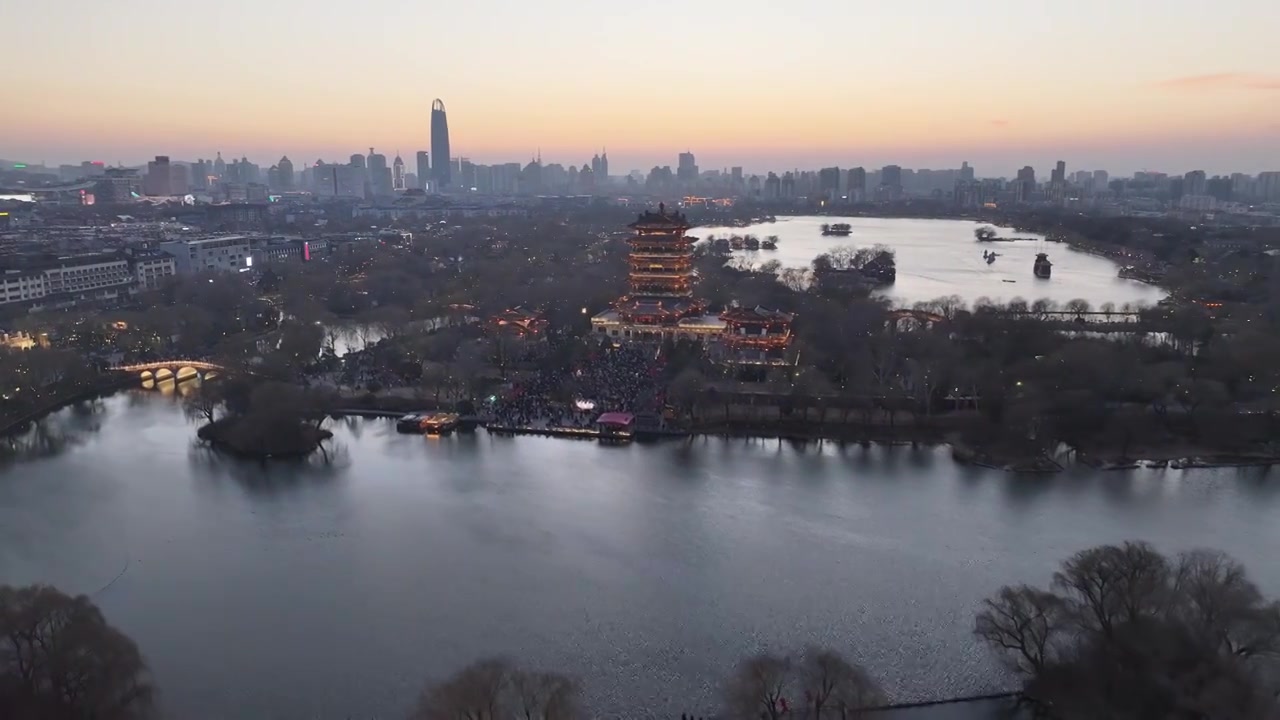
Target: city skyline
[[1106, 85]]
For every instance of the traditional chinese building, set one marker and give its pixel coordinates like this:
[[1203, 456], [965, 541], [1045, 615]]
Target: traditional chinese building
[[660, 302], [519, 321], [756, 336]]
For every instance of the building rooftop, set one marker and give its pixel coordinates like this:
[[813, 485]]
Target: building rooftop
[[649, 220], [755, 314]]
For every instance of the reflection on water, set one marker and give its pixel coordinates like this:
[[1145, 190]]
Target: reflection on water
[[659, 563]]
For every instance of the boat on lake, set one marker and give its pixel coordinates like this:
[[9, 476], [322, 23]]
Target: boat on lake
[[438, 423], [1043, 268], [837, 229]]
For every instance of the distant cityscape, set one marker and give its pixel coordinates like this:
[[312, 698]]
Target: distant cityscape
[[372, 178]]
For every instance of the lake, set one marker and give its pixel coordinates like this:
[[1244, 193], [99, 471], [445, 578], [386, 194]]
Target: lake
[[941, 257], [328, 590]]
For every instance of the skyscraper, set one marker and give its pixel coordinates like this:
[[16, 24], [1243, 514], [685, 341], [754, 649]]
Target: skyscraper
[[1026, 184], [159, 177], [440, 170], [379, 174], [424, 169], [966, 172], [285, 167], [687, 168], [1194, 183], [397, 175], [1059, 174]]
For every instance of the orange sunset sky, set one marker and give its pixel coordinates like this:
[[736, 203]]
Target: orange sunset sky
[[1121, 85]]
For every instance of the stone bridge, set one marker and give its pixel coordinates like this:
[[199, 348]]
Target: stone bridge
[[176, 370]]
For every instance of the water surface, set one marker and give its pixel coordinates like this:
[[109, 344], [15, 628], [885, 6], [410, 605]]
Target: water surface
[[941, 257], [328, 591]]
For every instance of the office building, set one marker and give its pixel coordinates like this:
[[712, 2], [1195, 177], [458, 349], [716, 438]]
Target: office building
[[221, 254], [118, 185], [1194, 183], [424, 169], [441, 172], [397, 175], [687, 169], [285, 167], [159, 177], [1025, 186]]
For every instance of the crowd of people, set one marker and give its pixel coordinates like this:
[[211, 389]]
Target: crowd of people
[[623, 379]]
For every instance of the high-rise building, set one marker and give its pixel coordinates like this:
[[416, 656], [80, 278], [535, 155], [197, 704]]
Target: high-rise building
[[687, 168], [219, 167], [857, 184], [1059, 174], [117, 185], [603, 175], [159, 177], [424, 169], [379, 174], [397, 175], [441, 171], [966, 172], [179, 179], [1100, 181], [829, 182], [1194, 183], [1025, 185], [286, 173]]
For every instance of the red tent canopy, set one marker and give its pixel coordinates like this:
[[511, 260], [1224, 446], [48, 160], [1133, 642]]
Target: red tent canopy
[[620, 419]]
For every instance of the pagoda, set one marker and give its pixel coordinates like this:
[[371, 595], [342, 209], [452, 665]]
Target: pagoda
[[660, 277]]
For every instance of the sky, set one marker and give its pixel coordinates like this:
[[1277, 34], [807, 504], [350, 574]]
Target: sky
[[1122, 85]]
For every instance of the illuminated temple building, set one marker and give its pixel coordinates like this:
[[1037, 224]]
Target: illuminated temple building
[[661, 305], [755, 336]]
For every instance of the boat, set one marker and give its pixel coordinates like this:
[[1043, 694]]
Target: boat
[[1009, 281], [1043, 268], [438, 423], [411, 423], [837, 229]]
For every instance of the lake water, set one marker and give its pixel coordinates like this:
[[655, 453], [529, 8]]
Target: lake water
[[333, 590], [941, 257]]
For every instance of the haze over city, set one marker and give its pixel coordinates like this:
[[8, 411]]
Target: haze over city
[[759, 84]]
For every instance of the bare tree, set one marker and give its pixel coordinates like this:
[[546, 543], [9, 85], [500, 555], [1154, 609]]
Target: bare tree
[[1128, 634], [544, 696], [60, 659], [475, 693], [831, 681], [758, 688], [1023, 621], [203, 402], [1112, 584]]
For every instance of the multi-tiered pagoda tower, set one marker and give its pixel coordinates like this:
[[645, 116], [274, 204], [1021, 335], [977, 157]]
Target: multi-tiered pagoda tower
[[661, 271]]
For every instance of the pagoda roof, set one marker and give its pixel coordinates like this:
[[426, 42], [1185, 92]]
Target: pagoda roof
[[649, 305], [661, 220], [755, 314]]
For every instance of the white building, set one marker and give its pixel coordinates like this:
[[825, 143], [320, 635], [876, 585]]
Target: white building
[[21, 286], [151, 267], [67, 280], [222, 254]]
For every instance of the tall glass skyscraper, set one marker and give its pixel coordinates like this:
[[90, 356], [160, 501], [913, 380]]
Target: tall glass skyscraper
[[440, 167]]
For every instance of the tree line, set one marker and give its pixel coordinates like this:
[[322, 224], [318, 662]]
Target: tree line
[[1122, 631]]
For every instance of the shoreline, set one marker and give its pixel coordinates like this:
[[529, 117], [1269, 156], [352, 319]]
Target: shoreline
[[1171, 456]]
